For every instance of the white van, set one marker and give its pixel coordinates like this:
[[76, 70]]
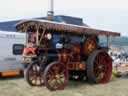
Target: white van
[[11, 47]]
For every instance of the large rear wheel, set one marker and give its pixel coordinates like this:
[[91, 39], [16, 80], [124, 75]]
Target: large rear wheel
[[56, 76], [99, 67]]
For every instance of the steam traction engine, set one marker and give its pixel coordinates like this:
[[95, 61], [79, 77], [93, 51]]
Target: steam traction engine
[[55, 52]]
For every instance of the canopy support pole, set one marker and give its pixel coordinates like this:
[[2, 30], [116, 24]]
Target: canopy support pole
[[107, 41], [37, 35]]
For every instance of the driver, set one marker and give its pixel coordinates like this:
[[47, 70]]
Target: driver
[[32, 37]]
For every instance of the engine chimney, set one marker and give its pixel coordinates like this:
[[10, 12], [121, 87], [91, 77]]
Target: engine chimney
[[50, 14]]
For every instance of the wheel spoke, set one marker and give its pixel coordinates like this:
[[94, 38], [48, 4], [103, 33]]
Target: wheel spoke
[[54, 80], [101, 67], [62, 80], [52, 83], [34, 75], [34, 81], [100, 76], [55, 77]]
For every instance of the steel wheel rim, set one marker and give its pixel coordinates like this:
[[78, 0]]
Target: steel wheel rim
[[102, 67], [34, 75], [57, 77]]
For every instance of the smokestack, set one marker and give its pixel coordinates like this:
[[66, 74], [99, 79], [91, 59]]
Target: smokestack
[[50, 13]]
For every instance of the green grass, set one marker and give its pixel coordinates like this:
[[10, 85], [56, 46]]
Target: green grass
[[18, 87]]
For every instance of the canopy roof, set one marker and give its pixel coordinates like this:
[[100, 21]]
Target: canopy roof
[[64, 27]]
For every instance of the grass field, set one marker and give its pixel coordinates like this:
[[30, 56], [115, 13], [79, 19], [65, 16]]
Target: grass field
[[18, 87]]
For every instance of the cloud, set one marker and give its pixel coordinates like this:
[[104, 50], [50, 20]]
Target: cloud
[[106, 14]]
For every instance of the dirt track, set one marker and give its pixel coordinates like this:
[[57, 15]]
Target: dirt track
[[18, 87]]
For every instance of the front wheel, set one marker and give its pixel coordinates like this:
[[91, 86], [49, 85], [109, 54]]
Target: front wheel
[[33, 74], [55, 76]]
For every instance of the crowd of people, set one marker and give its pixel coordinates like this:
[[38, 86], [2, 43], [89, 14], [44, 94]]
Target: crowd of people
[[120, 60], [118, 54]]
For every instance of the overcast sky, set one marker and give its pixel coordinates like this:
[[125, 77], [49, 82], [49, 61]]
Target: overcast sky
[[102, 14]]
